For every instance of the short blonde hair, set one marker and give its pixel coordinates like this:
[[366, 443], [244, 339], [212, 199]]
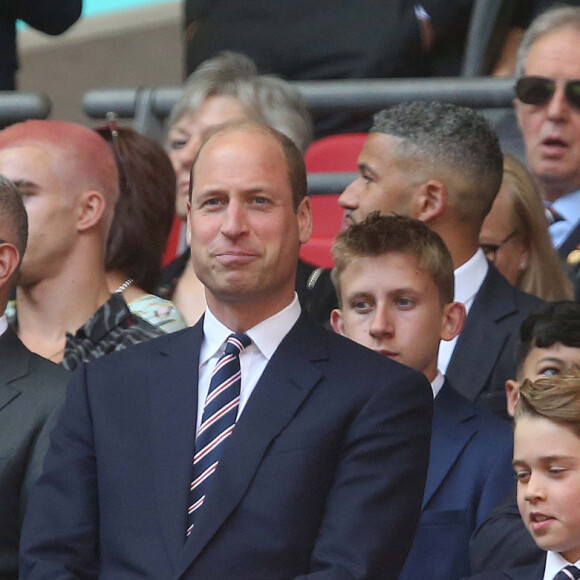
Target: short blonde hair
[[556, 398], [378, 235]]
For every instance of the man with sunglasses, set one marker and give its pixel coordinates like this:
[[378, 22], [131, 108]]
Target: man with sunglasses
[[548, 110]]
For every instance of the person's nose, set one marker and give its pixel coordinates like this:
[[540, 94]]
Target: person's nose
[[382, 324], [348, 199], [235, 222], [535, 490], [558, 107]]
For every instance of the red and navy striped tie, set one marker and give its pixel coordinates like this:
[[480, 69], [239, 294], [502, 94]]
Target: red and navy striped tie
[[217, 423], [568, 573]]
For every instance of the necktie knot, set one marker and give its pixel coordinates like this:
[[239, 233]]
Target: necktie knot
[[236, 343], [568, 573]]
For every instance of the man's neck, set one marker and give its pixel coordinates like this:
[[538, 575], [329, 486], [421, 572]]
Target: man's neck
[[49, 309], [241, 316], [552, 191]]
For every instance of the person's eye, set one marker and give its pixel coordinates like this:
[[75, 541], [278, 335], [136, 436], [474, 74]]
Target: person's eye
[[176, 144], [405, 303], [549, 371], [555, 471], [361, 306], [522, 476], [260, 200]]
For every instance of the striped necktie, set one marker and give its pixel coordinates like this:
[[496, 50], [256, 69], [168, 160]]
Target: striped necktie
[[217, 423], [568, 573]]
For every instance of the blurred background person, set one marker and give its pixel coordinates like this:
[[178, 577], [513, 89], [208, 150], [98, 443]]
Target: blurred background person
[[514, 236], [49, 16], [141, 224], [222, 89]]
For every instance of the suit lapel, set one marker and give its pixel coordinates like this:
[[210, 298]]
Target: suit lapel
[[173, 408], [286, 382], [483, 338], [15, 360], [452, 431]]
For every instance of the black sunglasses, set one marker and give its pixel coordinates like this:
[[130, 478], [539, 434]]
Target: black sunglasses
[[534, 90]]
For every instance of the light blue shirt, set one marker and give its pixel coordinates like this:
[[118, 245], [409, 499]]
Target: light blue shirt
[[567, 206]]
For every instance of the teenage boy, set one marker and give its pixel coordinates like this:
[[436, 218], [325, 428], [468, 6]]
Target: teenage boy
[[394, 280], [549, 345], [547, 466]]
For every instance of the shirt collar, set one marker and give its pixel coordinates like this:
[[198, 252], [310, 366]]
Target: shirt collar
[[266, 335], [554, 563], [437, 383], [470, 276], [568, 206], [3, 324]]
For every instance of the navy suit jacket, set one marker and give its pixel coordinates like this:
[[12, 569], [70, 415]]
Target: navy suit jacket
[[484, 357], [322, 477], [535, 572], [32, 390], [470, 472]]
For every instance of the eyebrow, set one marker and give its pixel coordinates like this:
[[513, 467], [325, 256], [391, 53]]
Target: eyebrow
[[366, 167], [25, 183], [547, 459]]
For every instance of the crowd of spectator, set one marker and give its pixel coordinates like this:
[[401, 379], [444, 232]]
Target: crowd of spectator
[[197, 420]]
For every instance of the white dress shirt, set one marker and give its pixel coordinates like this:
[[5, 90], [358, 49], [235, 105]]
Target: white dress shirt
[[554, 563], [437, 383], [468, 280], [3, 324], [266, 337], [567, 206]]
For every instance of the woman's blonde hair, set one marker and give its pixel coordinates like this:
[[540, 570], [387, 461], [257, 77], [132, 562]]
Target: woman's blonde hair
[[544, 275]]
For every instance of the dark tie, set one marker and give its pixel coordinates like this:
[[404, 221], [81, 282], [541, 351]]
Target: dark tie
[[568, 573], [217, 422]]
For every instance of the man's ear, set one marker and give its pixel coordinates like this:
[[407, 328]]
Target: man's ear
[[512, 392], [304, 214], [91, 207], [9, 260], [188, 225], [453, 320], [431, 200], [337, 322]]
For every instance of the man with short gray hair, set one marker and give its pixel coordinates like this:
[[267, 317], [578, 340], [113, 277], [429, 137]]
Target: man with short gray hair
[[442, 164], [547, 106]]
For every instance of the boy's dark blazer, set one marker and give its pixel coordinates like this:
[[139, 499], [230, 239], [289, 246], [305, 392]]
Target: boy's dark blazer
[[470, 472], [484, 357], [535, 572], [32, 390], [322, 477]]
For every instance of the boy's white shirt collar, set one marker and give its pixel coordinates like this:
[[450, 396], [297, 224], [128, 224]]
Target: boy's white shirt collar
[[554, 563]]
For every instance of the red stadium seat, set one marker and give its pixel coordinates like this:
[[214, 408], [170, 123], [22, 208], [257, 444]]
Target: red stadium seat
[[329, 154]]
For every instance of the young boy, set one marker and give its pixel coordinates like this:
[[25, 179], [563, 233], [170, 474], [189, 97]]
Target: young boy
[[547, 466], [394, 281], [549, 345]]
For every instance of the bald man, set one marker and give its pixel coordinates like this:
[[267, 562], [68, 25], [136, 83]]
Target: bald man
[[68, 180]]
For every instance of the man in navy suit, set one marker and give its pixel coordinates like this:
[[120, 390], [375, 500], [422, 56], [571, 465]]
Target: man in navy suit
[[32, 390], [322, 476], [442, 164], [394, 279]]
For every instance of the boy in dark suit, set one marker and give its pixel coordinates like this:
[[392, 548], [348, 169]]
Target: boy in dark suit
[[394, 280], [547, 466]]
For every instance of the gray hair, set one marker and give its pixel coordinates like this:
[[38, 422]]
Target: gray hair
[[266, 98], [13, 216], [458, 140], [551, 20]]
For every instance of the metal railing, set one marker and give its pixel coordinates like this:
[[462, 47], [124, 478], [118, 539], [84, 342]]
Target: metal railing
[[20, 105], [149, 107]]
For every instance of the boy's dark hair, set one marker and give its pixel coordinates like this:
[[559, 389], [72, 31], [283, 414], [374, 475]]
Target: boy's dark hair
[[558, 322], [378, 235]]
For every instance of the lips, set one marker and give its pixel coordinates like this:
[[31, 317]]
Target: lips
[[385, 352], [234, 258], [554, 145], [539, 521]]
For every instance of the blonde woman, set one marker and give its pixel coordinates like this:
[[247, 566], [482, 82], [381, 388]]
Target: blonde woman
[[514, 236]]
